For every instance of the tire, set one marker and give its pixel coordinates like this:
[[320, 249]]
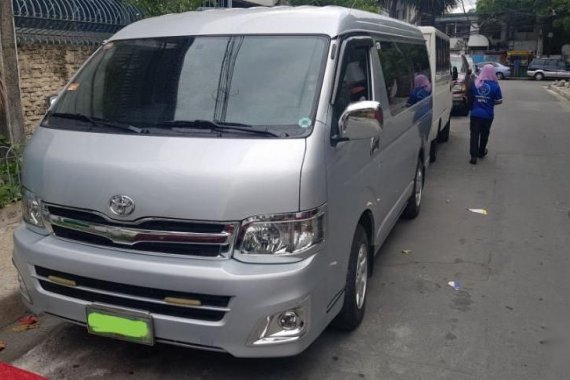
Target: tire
[[354, 304], [433, 151], [412, 209], [500, 76], [539, 76], [444, 133]]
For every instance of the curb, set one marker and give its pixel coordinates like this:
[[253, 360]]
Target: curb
[[10, 214], [559, 91], [12, 308]]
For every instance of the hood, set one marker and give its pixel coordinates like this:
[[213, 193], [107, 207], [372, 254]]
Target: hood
[[215, 179]]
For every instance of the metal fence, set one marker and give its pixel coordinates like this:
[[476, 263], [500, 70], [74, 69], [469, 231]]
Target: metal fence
[[10, 179], [83, 22]]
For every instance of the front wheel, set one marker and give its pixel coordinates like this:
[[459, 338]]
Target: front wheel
[[539, 76], [415, 201], [500, 76], [354, 305]]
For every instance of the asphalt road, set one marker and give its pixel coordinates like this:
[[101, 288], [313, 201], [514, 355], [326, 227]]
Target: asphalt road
[[509, 320]]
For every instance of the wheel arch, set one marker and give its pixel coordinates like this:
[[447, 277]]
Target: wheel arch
[[422, 158], [367, 222]]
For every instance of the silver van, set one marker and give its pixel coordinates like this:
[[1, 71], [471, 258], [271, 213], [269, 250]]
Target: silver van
[[222, 179]]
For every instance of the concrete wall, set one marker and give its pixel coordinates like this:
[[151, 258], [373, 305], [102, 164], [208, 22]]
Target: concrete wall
[[44, 70]]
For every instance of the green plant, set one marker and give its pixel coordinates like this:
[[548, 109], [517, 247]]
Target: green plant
[[10, 166]]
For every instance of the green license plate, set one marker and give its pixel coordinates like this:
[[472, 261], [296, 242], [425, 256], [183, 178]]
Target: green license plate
[[120, 324]]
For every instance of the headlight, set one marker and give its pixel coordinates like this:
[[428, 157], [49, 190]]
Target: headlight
[[32, 209], [283, 234]]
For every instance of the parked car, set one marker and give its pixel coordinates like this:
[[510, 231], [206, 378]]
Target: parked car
[[223, 180], [550, 68], [459, 86], [501, 70]]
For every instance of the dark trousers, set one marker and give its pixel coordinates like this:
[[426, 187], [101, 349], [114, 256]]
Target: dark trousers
[[480, 129]]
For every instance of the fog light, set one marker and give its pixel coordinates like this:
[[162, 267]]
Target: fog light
[[289, 320], [283, 327]]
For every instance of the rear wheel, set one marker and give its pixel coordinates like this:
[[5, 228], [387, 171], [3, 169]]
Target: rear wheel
[[354, 305], [539, 76], [415, 201]]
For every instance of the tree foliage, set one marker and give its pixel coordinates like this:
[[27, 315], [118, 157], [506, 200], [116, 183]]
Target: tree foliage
[[561, 12], [431, 8], [160, 7], [516, 13], [365, 5]]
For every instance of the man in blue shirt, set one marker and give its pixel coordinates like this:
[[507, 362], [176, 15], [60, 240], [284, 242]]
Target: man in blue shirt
[[486, 93]]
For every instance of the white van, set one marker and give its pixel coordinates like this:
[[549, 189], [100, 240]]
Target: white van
[[438, 49], [223, 179]]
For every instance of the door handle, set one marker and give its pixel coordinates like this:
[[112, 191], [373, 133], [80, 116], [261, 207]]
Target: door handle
[[374, 144]]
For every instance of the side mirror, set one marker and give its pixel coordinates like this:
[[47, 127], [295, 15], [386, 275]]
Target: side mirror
[[360, 120], [51, 100]]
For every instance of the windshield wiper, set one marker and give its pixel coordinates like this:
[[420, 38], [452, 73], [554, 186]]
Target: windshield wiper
[[99, 122], [218, 126]]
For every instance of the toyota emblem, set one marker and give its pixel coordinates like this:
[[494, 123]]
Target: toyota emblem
[[121, 205]]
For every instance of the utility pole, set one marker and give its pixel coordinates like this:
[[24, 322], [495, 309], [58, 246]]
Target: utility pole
[[14, 130]]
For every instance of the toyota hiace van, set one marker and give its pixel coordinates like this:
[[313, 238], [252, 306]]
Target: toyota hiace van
[[223, 179]]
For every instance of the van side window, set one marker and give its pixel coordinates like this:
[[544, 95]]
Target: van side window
[[354, 83], [407, 74], [442, 55]]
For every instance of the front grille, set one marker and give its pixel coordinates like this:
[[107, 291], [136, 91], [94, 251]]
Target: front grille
[[212, 307], [154, 235], [156, 224], [169, 248]]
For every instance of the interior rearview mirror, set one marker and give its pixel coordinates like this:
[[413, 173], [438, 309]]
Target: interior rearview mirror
[[360, 120]]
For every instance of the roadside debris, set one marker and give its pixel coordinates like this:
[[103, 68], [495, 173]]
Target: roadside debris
[[9, 372], [26, 323], [454, 284], [481, 211], [406, 251], [2, 345]]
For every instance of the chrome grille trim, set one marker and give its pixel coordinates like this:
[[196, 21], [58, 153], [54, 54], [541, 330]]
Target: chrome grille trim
[[126, 235], [132, 236]]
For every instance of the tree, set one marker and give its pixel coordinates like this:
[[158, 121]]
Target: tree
[[561, 11], [365, 5], [551, 17], [425, 8], [160, 7], [431, 8]]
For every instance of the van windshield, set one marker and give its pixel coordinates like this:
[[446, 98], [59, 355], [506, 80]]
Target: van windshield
[[268, 83]]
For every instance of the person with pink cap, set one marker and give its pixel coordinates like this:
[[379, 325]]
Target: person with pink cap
[[486, 93]]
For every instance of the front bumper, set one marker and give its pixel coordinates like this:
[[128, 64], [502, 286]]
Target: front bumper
[[256, 291]]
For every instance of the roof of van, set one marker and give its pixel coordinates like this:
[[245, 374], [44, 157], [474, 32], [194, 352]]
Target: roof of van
[[431, 30], [330, 20]]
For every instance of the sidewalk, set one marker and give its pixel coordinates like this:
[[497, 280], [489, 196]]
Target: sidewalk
[[11, 306]]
